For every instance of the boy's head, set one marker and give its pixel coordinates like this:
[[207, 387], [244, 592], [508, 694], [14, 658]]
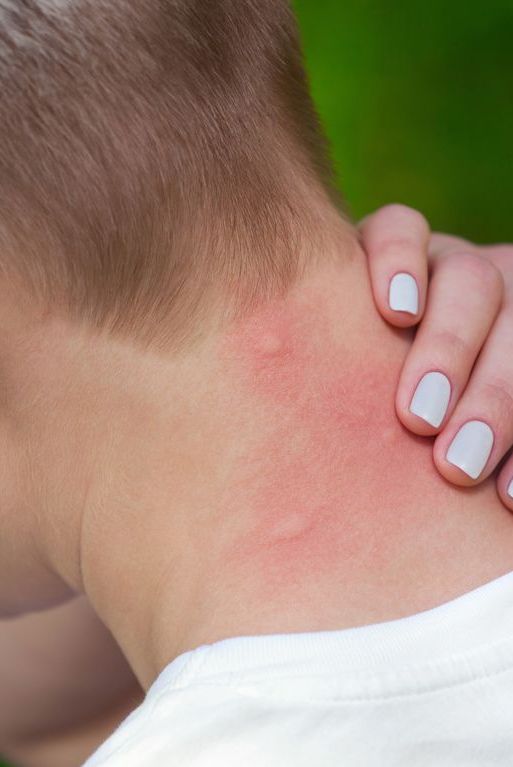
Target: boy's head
[[155, 156], [161, 165]]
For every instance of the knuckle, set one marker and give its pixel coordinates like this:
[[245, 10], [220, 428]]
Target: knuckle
[[500, 392], [400, 244], [485, 273], [502, 257], [491, 277], [453, 345], [397, 226], [503, 251], [403, 214]]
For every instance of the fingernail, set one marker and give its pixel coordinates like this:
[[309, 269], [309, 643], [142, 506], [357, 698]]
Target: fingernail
[[431, 398], [404, 294], [510, 489], [471, 448]]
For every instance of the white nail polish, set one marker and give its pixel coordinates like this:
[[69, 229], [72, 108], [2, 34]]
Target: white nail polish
[[431, 398], [471, 448], [404, 294], [510, 489]]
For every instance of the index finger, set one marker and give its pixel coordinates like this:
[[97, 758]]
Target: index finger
[[396, 240]]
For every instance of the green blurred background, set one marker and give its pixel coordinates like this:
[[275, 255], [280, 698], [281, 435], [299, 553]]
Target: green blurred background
[[417, 100]]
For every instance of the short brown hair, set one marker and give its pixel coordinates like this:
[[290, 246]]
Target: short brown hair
[[152, 152]]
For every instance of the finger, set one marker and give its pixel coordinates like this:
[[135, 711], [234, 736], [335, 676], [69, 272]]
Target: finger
[[396, 239], [502, 257], [465, 295], [480, 431], [441, 245], [505, 483]]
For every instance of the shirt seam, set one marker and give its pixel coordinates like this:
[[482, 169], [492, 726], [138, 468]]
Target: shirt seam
[[236, 686]]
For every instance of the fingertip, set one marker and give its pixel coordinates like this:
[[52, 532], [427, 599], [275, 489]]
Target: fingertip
[[395, 239], [446, 466], [451, 473], [462, 452], [403, 299], [400, 319], [396, 217], [505, 490], [403, 293], [414, 423]]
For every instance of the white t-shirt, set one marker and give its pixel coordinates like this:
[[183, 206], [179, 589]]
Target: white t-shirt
[[432, 689]]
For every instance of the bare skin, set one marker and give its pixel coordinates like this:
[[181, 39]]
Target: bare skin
[[259, 483], [65, 685]]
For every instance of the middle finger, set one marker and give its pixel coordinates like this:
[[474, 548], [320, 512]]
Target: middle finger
[[465, 296]]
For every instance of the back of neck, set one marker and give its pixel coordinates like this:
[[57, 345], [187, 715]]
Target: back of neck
[[293, 499]]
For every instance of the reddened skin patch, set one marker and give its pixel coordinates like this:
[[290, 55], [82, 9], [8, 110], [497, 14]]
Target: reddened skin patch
[[330, 450]]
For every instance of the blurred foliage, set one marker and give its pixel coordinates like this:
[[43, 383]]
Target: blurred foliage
[[417, 100]]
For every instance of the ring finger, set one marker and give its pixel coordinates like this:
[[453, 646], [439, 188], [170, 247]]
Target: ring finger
[[480, 431]]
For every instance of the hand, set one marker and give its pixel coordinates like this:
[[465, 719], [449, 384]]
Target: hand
[[457, 381]]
